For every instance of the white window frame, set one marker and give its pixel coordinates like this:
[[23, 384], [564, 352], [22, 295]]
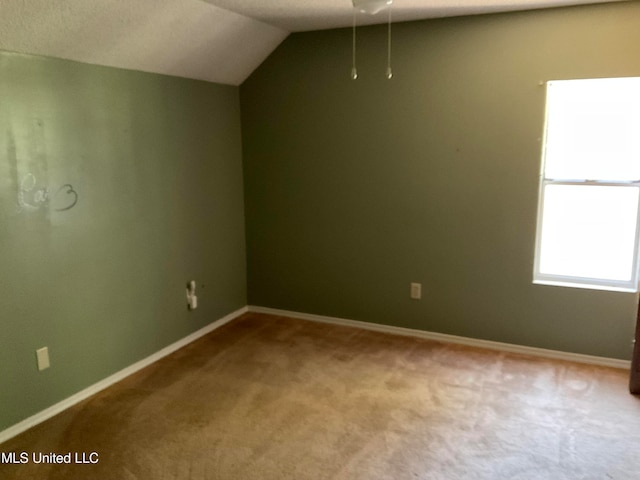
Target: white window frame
[[572, 281]]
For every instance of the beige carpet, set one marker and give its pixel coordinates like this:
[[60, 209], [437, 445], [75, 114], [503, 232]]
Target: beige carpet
[[267, 398]]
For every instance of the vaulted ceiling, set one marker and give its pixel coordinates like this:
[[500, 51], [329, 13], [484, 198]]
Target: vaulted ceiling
[[220, 41]]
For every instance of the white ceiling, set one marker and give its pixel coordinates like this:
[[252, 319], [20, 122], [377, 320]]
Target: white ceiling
[[185, 38], [220, 41], [304, 15]]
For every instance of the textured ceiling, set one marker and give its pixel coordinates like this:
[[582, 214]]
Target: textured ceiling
[[186, 38], [220, 41], [302, 15]]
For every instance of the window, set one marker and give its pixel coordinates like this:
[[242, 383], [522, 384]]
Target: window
[[587, 234]]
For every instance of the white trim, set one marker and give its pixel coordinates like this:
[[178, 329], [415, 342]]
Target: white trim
[[541, 280], [442, 337], [116, 377]]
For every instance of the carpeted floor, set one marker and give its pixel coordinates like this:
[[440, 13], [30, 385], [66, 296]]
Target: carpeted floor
[[266, 398]]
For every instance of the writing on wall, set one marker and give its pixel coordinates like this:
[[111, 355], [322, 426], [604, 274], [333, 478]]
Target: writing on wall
[[33, 197]]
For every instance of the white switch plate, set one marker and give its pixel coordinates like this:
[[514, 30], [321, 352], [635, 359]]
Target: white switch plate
[[416, 291], [42, 354]]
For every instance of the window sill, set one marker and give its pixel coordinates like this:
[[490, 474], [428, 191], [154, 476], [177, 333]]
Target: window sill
[[588, 286]]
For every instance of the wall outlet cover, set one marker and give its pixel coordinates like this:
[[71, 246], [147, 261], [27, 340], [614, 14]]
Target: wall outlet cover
[[42, 354]]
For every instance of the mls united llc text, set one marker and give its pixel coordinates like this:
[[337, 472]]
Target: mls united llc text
[[39, 457]]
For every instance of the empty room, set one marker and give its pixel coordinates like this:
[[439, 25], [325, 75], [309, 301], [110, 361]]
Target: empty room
[[319, 239]]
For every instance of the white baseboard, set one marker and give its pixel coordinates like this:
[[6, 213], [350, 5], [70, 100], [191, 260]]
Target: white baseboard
[[116, 377], [441, 337]]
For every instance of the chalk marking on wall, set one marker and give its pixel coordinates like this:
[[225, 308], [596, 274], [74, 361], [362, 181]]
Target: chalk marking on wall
[[32, 199]]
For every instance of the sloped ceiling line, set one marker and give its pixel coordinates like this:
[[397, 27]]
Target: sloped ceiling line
[[185, 38], [221, 41]]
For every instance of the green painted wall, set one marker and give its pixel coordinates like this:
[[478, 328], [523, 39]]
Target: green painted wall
[[156, 165], [355, 189]]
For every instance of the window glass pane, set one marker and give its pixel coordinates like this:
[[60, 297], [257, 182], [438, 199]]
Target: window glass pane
[[592, 129], [589, 231]]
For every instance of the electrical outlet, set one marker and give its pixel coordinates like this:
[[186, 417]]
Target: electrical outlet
[[192, 299], [416, 291], [42, 354]]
